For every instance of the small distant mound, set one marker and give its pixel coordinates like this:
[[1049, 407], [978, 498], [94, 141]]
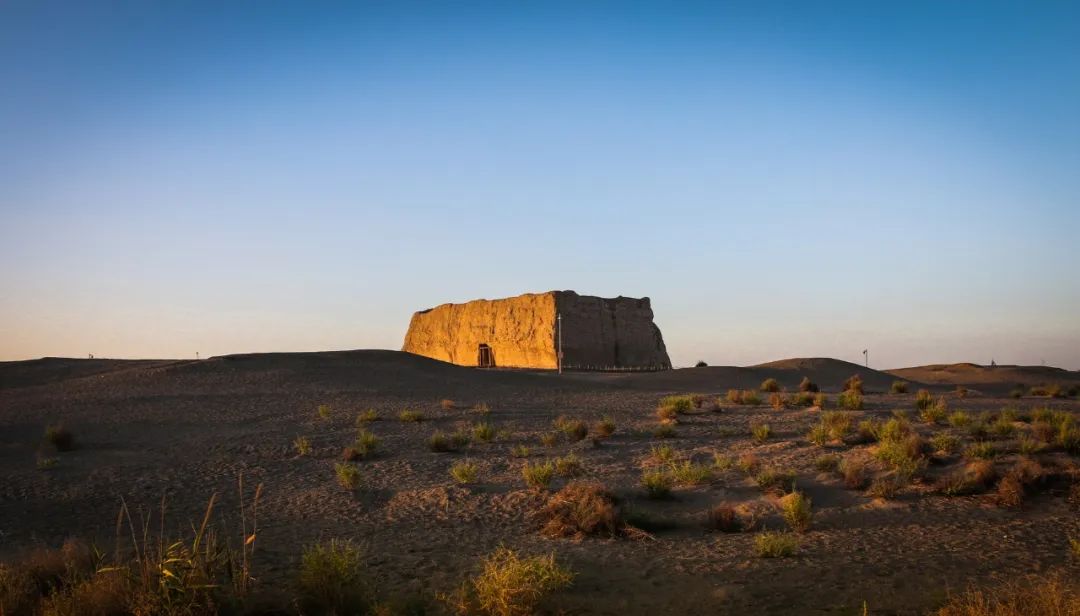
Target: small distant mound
[[989, 378], [829, 374]]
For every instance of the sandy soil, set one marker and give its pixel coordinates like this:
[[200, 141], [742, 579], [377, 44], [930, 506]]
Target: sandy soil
[[184, 430]]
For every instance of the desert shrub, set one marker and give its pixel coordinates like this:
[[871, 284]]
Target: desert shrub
[[1069, 439], [850, 400], [770, 386], [332, 580], [59, 437], [750, 398], [734, 396], [961, 392], [1010, 491], [484, 431], [818, 434], [348, 475], [820, 400], [549, 439], [1002, 427], [447, 405], [367, 416], [944, 442], [1034, 595], [664, 431], [605, 427], [302, 445], [935, 413], [366, 444], [970, 479], [569, 465], [723, 518], [723, 462], [803, 398], [439, 442], [747, 463], [464, 471], [854, 383], [886, 487], [1017, 392], [775, 480], [778, 401], [923, 399], [323, 411], [512, 585], [760, 431], [663, 454], [795, 508], [701, 363], [520, 451], [539, 475], [808, 386], [854, 473], [1049, 391], [657, 483], [1043, 431], [827, 463], [482, 408], [667, 414], [775, 545], [1028, 446], [838, 423], [866, 431], [893, 430], [689, 473], [410, 416], [1042, 414], [904, 456], [678, 404], [581, 510], [959, 419], [980, 451], [899, 387]]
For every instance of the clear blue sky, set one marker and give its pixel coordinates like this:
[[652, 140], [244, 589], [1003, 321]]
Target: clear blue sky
[[783, 179]]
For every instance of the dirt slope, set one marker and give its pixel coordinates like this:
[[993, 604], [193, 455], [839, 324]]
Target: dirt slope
[[998, 378]]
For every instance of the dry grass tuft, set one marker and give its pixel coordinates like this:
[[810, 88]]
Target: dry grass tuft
[[332, 580], [509, 585], [899, 387], [776, 545], [464, 472], [1035, 595], [796, 510], [581, 510], [770, 386], [723, 518], [539, 475]]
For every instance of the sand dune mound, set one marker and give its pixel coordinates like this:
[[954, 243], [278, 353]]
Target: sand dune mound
[[987, 377], [14, 374], [829, 374]]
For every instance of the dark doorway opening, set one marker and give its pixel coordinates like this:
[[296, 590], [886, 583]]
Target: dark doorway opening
[[485, 358]]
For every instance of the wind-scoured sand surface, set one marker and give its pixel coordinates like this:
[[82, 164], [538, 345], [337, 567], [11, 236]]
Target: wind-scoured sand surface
[[184, 430]]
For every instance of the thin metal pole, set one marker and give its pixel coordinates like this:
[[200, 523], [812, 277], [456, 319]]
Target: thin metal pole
[[558, 319]]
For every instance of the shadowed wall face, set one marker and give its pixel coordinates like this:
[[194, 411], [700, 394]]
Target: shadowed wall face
[[521, 332]]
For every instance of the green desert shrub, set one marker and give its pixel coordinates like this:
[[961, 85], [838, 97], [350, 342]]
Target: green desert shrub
[[760, 431], [904, 456], [775, 480], [803, 399], [818, 434], [464, 471], [734, 396], [820, 400], [549, 439], [894, 430], [538, 475], [795, 508], [854, 383], [366, 444], [980, 451], [838, 423], [302, 445], [677, 404], [510, 585], [410, 416], [688, 473], [935, 413], [775, 545], [569, 465], [959, 419], [827, 463], [850, 400], [723, 462], [663, 454], [657, 483], [348, 475], [484, 431], [923, 399], [887, 486], [944, 442], [332, 580]]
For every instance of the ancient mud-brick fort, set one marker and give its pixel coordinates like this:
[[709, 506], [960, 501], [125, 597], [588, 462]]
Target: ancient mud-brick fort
[[523, 332]]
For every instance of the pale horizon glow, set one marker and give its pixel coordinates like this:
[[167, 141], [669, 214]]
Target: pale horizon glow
[[781, 180]]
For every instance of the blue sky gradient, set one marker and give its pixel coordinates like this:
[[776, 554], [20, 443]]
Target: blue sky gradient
[[782, 179]]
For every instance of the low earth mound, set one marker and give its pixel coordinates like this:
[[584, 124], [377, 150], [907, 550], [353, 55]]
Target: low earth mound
[[48, 370], [828, 374], [990, 378]]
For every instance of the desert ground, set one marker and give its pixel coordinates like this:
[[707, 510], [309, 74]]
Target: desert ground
[[891, 534]]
